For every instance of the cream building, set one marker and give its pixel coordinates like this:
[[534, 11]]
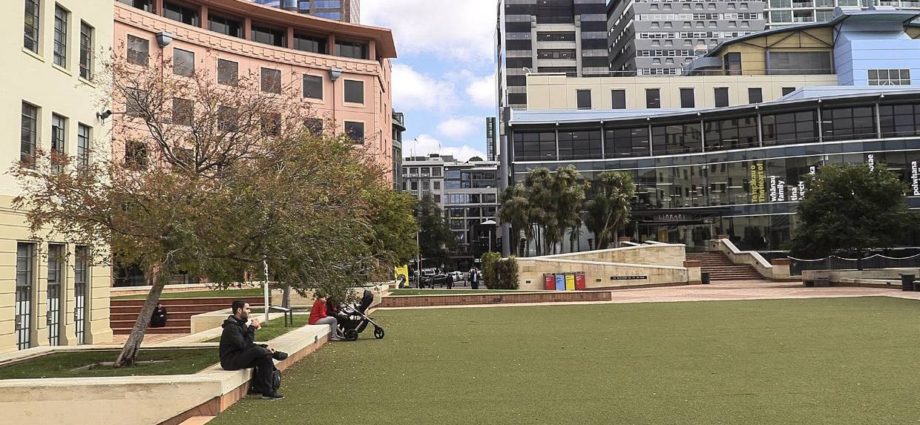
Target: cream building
[[556, 91], [50, 294]]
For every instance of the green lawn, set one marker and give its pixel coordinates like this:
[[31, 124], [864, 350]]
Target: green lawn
[[215, 293], [820, 361], [275, 328], [62, 365], [410, 291]]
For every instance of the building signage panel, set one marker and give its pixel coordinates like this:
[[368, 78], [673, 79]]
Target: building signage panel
[[628, 277], [870, 160], [914, 178]]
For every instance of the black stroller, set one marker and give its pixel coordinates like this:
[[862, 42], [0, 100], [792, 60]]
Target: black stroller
[[353, 320]]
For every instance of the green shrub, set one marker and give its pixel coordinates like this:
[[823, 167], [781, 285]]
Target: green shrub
[[506, 271], [489, 278]]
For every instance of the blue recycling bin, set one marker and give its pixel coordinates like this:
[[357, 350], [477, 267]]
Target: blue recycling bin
[[560, 282]]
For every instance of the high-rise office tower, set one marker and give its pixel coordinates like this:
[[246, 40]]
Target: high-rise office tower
[[657, 38], [567, 36], [339, 10]]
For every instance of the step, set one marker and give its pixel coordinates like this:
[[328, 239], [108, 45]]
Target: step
[[165, 330], [175, 309], [187, 301], [120, 324]]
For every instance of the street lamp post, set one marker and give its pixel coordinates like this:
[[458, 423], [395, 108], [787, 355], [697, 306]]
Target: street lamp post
[[489, 222]]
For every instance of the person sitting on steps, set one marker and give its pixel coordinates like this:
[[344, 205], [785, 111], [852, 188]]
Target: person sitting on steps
[[238, 350]]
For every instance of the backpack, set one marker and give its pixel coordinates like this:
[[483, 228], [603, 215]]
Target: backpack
[[276, 377]]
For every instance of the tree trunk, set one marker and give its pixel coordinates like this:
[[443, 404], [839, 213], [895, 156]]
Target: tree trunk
[[128, 354], [286, 297]]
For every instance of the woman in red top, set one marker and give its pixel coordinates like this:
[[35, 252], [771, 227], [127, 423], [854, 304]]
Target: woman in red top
[[318, 317]]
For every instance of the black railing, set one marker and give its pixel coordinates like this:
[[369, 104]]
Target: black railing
[[907, 257]]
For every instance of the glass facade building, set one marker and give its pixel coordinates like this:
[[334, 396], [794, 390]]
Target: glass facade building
[[337, 10], [737, 171]]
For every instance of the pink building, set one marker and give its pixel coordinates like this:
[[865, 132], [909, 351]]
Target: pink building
[[342, 69]]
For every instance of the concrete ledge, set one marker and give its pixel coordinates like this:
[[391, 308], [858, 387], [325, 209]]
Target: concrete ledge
[[477, 299], [168, 399]]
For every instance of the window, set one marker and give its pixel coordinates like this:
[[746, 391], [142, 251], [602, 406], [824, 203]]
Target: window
[[24, 301], [687, 99], [271, 80], [86, 51], [676, 139], [732, 63], [799, 63], [652, 98], [183, 111], [60, 36], [351, 49], [180, 13], [848, 123], [32, 25], [790, 128], [308, 43], [787, 90], [889, 77], [579, 144], [227, 118], [266, 35], [755, 95], [583, 99], [135, 102], [183, 63], [721, 94], [226, 26], [84, 138], [58, 128], [145, 5], [535, 145], [227, 72], [436, 185], [618, 99], [135, 154], [271, 124], [734, 133], [355, 131], [626, 142], [138, 50], [354, 91], [29, 133], [313, 87], [314, 126]]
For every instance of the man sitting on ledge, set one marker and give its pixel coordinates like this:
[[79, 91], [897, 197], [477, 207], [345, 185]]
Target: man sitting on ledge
[[238, 350]]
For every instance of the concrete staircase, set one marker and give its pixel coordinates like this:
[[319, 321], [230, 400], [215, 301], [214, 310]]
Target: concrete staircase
[[720, 267], [179, 313]]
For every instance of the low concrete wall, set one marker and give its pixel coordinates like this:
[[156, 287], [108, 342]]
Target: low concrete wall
[[205, 321], [873, 277], [503, 298], [140, 400], [619, 267], [298, 300]]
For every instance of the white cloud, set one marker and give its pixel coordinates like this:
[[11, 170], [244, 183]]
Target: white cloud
[[425, 144], [459, 128], [461, 30], [482, 91], [413, 90]]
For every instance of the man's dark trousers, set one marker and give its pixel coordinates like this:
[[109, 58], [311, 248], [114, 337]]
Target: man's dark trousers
[[258, 357]]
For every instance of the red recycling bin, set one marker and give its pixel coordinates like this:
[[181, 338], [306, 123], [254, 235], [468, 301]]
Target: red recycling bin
[[549, 282], [579, 281]]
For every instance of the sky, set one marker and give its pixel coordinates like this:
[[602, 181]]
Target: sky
[[444, 75]]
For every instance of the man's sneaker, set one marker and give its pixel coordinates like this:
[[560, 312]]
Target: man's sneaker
[[279, 355], [272, 396]]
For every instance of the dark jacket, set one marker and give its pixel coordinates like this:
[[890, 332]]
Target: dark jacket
[[235, 338]]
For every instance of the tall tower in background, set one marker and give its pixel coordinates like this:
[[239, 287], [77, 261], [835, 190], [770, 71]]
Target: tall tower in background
[[567, 36], [339, 10]]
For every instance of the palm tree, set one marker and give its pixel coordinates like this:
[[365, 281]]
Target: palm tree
[[515, 210], [569, 189], [538, 187], [608, 209]]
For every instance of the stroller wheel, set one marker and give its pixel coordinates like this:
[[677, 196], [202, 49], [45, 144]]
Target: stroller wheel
[[378, 332], [351, 335]]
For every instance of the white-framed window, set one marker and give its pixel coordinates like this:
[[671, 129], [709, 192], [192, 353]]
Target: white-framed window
[[889, 77]]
